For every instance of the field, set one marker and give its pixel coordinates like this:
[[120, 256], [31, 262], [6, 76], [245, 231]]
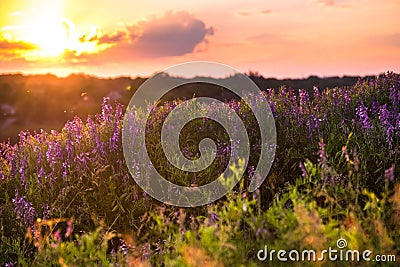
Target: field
[[68, 199]]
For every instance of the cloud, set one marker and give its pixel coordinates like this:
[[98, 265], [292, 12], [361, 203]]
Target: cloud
[[249, 13], [327, 2], [173, 34], [265, 37], [112, 38], [100, 38], [14, 49], [333, 3], [245, 13], [10, 45], [267, 11]]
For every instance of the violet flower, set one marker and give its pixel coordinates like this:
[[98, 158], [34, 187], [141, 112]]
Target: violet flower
[[389, 174], [385, 118], [363, 118], [24, 209]]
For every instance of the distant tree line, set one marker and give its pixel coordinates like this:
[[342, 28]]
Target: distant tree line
[[32, 102]]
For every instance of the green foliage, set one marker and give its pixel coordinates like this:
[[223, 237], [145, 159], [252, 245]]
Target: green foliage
[[306, 215], [86, 250]]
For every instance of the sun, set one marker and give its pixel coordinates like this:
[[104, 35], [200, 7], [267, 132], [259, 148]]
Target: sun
[[43, 24], [52, 38], [55, 36]]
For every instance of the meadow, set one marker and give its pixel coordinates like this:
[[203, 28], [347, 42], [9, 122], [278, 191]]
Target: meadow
[[68, 199]]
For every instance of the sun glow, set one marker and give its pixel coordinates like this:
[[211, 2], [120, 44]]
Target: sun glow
[[52, 35], [52, 38]]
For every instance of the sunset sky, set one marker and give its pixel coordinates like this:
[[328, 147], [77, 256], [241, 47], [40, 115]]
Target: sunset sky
[[285, 38]]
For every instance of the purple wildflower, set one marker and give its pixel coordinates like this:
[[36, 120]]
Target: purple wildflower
[[74, 129], [124, 247], [10, 157], [398, 124], [114, 139], [346, 98], [23, 165], [106, 110], [303, 169], [82, 160], [54, 152], [317, 95], [261, 231], [212, 218], [64, 169], [364, 120], [313, 124], [389, 174], [385, 118], [272, 105], [46, 211], [270, 93], [234, 105], [326, 171], [24, 209], [70, 148], [374, 107], [69, 227], [54, 156], [251, 172], [323, 157], [98, 147], [145, 251], [24, 137], [394, 94], [304, 99], [57, 236], [335, 100], [159, 249], [115, 134]]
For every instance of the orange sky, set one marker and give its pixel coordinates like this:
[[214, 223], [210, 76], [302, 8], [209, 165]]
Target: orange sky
[[286, 38]]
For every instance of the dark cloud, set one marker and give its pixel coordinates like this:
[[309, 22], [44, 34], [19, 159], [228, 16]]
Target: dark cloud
[[99, 38], [173, 34], [112, 38]]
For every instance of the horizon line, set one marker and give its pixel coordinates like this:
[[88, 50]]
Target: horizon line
[[138, 76]]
